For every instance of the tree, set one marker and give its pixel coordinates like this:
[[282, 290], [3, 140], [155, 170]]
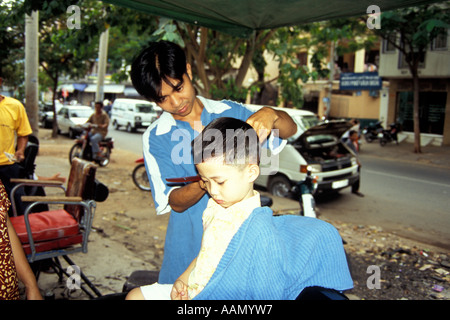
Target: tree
[[69, 51], [129, 32], [220, 61], [411, 31], [11, 45], [214, 55]]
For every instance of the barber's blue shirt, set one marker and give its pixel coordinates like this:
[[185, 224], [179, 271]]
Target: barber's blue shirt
[[167, 154]]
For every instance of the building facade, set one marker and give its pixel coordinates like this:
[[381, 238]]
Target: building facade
[[434, 95]]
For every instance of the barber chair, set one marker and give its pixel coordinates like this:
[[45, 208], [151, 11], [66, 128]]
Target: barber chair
[[320, 293], [59, 232]]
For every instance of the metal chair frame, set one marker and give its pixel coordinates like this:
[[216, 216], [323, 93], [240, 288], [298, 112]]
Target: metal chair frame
[[84, 223]]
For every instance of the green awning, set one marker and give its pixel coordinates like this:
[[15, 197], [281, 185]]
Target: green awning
[[241, 17]]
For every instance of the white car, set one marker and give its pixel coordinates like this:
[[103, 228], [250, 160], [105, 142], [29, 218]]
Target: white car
[[71, 117], [133, 114], [316, 147], [46, 113]]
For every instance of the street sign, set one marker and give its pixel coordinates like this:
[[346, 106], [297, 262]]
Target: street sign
[[360, 81]]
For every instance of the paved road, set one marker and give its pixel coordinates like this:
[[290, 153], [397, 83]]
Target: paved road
[[409, 199], [127, 141]]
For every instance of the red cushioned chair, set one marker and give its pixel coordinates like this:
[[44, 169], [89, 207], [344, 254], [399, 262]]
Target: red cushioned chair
[[50, 234]]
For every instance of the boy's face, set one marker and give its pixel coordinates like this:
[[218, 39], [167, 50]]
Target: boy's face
[[227, 184], [178, 101]]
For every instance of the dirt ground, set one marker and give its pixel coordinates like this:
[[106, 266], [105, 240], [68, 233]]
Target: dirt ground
[[128, 236]]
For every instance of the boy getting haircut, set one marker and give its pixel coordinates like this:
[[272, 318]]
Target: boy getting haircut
[[248, 253], [233, 140]]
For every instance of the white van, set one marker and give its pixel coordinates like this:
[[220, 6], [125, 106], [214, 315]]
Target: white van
[[133, 114], [316, 147]]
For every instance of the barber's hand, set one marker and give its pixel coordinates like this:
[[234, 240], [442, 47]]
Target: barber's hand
[[263, 122]]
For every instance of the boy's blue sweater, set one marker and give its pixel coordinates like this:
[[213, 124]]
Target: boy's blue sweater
[[276, 257]]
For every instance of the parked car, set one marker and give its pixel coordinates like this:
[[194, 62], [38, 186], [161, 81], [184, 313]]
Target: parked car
[[133, 114], [316, 147], [46, 113], [70, 117]]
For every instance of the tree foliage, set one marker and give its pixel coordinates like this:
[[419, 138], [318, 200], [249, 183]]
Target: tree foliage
[[65, 50], [11, 44], [220, 62]]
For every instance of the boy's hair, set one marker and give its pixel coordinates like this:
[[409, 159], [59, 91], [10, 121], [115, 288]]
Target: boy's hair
[[155, 64], [233, 139]]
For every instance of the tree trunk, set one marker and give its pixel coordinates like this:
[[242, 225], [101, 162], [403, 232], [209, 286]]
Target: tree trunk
[[255, 43], [201, 70], [416, 89], [195, 54], [55, 121], [245, 64]]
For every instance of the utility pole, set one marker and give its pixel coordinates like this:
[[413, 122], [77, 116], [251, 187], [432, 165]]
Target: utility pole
[[31, 69], [102, 61], [330, 81]]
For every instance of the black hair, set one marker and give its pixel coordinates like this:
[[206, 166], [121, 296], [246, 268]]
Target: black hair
[[99, 102], [156, 63], [231, 138]]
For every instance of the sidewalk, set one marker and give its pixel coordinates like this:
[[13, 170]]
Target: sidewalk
[[431, 155]]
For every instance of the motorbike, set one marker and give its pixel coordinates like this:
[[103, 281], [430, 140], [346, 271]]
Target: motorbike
[[304, 191], [372, 130], [140, 177], [82, 148], [389, 135]]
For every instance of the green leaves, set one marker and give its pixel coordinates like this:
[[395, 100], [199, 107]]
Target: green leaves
[[229, 90], [432, 24], [417, 25], [167, 30]]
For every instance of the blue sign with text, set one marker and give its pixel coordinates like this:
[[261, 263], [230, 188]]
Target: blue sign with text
[[360, 81]]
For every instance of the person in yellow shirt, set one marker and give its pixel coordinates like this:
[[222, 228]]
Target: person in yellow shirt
[[14, 131]]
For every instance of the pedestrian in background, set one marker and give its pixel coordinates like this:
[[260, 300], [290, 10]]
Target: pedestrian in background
[[353, 144], [101, 119]]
